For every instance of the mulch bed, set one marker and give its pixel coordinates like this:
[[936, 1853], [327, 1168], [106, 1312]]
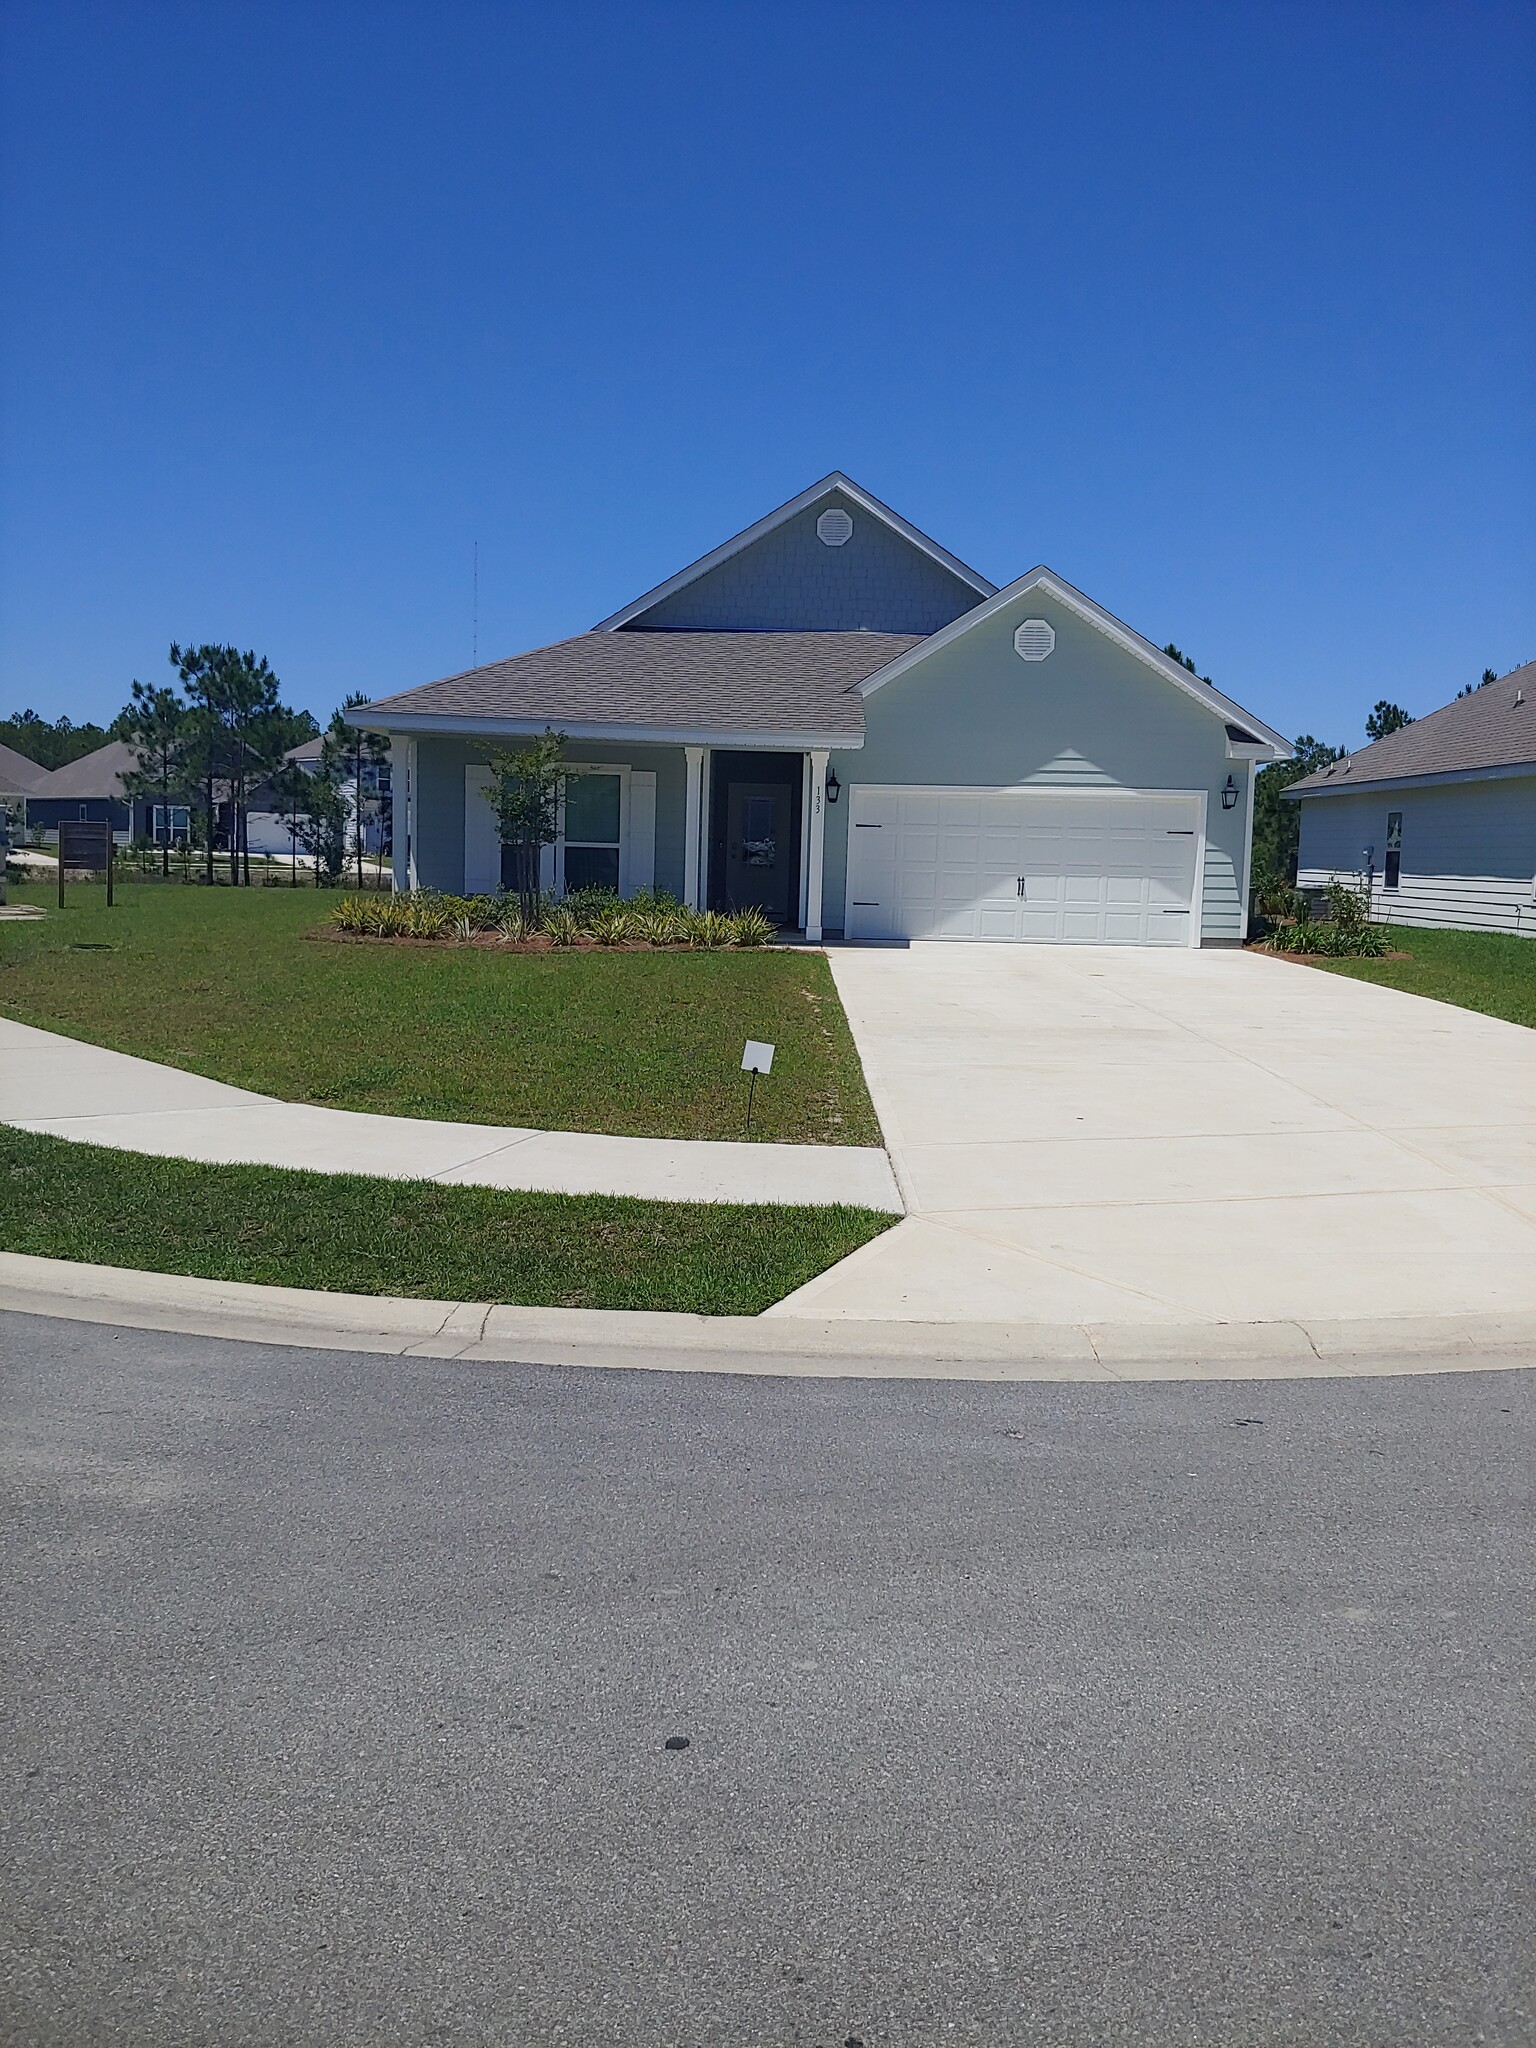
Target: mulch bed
[[540, 943]]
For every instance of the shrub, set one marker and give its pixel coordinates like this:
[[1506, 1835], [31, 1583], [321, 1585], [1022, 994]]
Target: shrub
[[1277, 899], [561, 925], [709, 929], [752, 927], [612, 925]]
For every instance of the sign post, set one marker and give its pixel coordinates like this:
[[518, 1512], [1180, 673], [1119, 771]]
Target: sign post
[[757, 1059], [85, 843]]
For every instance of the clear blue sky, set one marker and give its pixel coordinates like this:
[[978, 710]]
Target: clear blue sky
[[1226, 313]]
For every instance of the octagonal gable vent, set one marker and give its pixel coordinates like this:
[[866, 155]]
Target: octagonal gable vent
[[1034, 640], [834, 527]]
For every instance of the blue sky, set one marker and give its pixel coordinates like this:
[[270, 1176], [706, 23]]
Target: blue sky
[[1226, 313]]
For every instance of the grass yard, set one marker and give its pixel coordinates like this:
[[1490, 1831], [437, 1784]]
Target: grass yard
[[352, 1234], [1489, 971], [230, 984]]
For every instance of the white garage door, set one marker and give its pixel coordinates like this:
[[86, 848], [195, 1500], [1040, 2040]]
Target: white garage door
[[1095, 868]]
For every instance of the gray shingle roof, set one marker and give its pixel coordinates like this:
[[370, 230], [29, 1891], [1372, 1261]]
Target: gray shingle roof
[[98, 774], [20, 775], [673, 682], [1489, 729]]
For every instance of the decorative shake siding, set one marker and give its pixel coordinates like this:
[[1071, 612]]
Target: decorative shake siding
[[1090, 716], [1468, 851], [791, 581]]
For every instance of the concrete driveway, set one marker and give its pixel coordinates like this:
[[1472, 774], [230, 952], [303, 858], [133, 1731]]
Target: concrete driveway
[[1108, 1135]]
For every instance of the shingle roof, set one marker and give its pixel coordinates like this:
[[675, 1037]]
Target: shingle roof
[[19, 775], [1494, 727], [98, 774], [672, 682]]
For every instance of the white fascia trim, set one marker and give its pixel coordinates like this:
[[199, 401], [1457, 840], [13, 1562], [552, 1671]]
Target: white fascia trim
[[1206, 695], [424, 725], [835, 482], [1297, 795]]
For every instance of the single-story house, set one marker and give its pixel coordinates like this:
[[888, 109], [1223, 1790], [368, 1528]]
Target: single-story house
[[92, 788], [269, 831], [1440, 816], [20, 778], [833, 717]]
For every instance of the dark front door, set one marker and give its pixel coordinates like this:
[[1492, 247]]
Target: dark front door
[[756, 836]]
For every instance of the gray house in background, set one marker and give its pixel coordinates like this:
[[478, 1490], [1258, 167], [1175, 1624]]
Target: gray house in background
[[832, 717], [20, 778], [1441, 814], [92, 788]]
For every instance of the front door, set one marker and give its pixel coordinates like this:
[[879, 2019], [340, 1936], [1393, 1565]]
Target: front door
[[757, 836]]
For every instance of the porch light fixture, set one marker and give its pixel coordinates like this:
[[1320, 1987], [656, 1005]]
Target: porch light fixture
[[1229, 795], [834, 787]]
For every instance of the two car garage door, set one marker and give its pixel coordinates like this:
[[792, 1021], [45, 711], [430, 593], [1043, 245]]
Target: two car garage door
[[1054, 866]]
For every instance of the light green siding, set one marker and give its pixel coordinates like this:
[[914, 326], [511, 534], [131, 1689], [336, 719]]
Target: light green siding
[[1091, 715], [440, 766]]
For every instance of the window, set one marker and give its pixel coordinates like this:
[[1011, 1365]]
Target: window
[[591, 840], [85, 812], [179, 821], [1394, 864]]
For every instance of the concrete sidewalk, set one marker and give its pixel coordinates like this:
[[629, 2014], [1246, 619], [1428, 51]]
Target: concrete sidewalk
[[72, 1089]]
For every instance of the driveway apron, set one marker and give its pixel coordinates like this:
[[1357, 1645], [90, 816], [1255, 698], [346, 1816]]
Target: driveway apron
[[1112, 1135]]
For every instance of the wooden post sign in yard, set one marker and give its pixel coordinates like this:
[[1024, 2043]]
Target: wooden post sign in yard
[[86, 846]]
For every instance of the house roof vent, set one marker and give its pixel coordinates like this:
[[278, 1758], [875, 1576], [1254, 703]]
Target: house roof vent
[[1034, 640], [834, 527]]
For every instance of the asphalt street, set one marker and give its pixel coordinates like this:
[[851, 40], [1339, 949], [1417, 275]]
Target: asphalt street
[[337, 1693]]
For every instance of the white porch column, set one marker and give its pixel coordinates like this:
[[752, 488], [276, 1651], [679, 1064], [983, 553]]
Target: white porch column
[[805, 838], [817, 846], [693, 826], [402, 776]]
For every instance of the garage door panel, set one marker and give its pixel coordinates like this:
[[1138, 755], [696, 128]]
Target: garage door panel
[[1069, 868]]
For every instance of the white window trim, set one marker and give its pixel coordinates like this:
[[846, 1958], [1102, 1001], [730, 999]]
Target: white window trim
[[555, 855]]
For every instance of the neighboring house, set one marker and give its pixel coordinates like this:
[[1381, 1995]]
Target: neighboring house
[[270, 832], [20, 779], [834, 718], [1441, 815], [92, 788]]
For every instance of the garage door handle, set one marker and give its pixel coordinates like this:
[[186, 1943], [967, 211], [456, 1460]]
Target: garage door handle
[[866, 903], [860, 826], [1181, 831]]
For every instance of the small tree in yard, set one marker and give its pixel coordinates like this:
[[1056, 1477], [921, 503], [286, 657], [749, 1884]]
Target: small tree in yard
[[346, 752], [158, 725], [525, 796], [317, 815]]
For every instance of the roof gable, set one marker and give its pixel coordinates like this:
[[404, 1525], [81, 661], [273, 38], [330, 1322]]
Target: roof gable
[[870, 571], [1046, 582], [97, 774], [19, 773], [1489, 730]]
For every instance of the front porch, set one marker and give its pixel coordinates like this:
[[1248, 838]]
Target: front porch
[[722, 828]]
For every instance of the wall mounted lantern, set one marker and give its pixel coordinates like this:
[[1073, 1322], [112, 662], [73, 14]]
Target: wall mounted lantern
[[834, 787], [1229, 795]]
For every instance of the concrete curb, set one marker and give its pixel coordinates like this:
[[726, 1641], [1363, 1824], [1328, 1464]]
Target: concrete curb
[[477, 1331]]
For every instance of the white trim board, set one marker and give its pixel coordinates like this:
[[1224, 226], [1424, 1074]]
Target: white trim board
[[424, 725], [1206, 695], [847, 488]]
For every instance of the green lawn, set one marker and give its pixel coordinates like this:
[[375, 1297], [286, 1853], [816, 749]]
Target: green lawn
[[1488, 971], [346, 1232], [229, 983]]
